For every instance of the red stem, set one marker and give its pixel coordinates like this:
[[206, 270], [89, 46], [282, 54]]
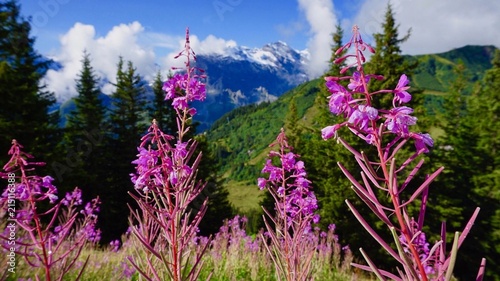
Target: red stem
[[38, 226], [383, 164]]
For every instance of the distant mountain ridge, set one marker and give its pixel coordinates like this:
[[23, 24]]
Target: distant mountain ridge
[[242, 76], [245, 76], [435, 71]]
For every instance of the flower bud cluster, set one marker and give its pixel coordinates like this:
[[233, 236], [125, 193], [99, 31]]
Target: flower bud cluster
[[288, 181], [355, 104]]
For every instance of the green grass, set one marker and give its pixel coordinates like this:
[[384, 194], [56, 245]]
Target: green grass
[[245, 196]]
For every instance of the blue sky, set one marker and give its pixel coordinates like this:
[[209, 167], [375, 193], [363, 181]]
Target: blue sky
[[250, 23], [150, 32]]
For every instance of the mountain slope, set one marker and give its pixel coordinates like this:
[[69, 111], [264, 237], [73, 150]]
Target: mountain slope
[[435, 71], [245, 76], [240, 138]]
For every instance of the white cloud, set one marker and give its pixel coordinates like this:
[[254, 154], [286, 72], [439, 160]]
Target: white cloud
[[131, 42], [104, 51], [436, 26], [209, 45], [322, 20]]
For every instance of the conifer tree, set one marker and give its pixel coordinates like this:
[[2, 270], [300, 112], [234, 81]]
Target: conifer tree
[[485, 111], [459, 190], [387, 59], [389, 62], [84, 134], [292, 128], [321, 157], [219, 207], [128, 123], [24, 110], [163, 113]]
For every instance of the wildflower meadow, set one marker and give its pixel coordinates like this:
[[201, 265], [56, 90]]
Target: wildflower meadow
[[47, 235]]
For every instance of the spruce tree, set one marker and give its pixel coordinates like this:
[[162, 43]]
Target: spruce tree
[[128, 123], [387, 59], [389, 62], [84, 134], [459, 190], [24, 110], [485, 106], [321, 157], [219, 207], [485, 111], [160, 110]]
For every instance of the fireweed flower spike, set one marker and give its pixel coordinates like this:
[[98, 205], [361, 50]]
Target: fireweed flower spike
[[165, 183], [291, 245], [54, 246], [388, 130]]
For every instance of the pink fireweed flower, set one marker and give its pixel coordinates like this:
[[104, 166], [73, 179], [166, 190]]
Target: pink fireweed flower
[[419, 241], [330, 131], [422, 141], [261, 183], [339, 99], [183, 89], [148, 170], [400, 93], [298, 198], [362, 116], [74, 197], [274, 172], [398, 119], [115, 245], [356, 84]]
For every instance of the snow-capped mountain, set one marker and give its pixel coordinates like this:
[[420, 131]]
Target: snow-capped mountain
[[239, 76], [243, 76]]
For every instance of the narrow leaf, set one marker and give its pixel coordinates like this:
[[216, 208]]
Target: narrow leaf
[[453, 257], [372, 265], [482, 268], [407, 263], [424, 185], [372, 232], [383, 272]]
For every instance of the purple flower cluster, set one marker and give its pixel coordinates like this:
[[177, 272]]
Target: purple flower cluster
[[355, 103], [115, 245], [362, 117], [166, 180], [31, 188], [73, 198], [182, 89], [387, 130], [287, 181], [161, 165], [34, 188], [419, 242], [51, 239]]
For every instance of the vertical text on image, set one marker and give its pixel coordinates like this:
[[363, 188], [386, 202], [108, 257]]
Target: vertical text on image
[[11, 223]]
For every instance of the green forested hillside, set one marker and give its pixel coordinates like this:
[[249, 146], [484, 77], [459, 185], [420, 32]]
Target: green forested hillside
[[451, 83], [435, 71], [240, 138]]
